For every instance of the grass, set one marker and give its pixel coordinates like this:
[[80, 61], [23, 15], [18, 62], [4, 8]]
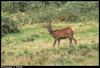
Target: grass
[[33, 46]]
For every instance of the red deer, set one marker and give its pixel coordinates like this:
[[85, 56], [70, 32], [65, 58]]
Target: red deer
[[61, 34]]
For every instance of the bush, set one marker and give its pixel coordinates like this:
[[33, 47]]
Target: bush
[[40, 11], [9, 26]]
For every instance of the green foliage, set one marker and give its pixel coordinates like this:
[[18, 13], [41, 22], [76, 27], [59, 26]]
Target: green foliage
[[9, 26], [40, 11]]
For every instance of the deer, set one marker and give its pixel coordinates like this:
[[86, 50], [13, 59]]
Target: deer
[[61, 34]]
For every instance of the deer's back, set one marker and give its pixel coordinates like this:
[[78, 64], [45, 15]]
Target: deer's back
[[63, 33]]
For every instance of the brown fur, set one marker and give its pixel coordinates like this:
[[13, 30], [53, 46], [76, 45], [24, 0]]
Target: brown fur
[[62, 34]]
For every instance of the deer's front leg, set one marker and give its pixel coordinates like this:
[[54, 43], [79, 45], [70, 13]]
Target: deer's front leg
[[58, 42], [54, 42]]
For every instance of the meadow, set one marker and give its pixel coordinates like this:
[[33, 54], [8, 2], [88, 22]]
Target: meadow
[[33, 45], [25, 40]]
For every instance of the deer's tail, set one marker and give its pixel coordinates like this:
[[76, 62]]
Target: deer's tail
[[73, 29]]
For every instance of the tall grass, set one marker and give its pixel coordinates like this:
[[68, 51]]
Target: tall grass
[[33, 46]]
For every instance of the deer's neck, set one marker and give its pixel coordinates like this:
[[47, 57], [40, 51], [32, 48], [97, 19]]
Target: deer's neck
[[50, 29]]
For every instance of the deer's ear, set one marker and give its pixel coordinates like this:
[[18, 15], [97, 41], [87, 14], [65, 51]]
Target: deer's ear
[[45, 25], [49, 21]]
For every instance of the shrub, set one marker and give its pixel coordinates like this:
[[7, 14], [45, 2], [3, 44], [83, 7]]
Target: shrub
[[39, 11], [9, 26]]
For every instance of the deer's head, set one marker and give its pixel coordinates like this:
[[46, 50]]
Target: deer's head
[[47, 24]]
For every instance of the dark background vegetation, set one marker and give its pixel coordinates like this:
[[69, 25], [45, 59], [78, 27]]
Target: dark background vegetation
[[18, 13]]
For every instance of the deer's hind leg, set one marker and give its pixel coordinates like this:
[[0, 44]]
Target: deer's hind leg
[[70, 40], [74, 40], [71, 37]]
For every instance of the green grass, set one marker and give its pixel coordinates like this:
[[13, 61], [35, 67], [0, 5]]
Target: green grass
[[33, 46]]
